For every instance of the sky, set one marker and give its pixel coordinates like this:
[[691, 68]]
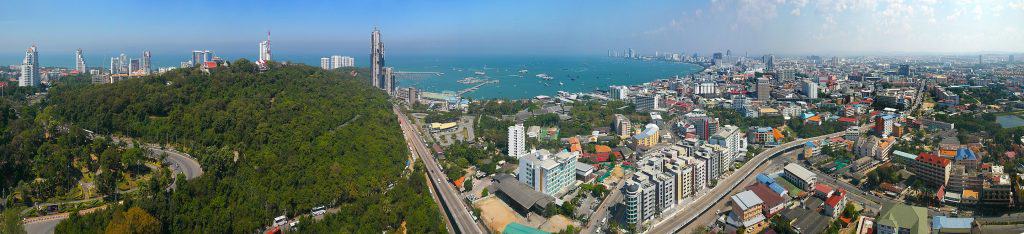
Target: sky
[[526, 27]]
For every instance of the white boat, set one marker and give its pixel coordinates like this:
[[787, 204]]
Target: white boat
[[480, 73], [544, 76]]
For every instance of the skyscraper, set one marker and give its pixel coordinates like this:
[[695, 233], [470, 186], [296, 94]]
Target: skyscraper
[[769, 62], [516, 140], [79, 61], [389, 80], [1011, 58], [147, 63], [764, 89], [325, 63], [115, 65], [30, 68], [265, 50], [124, 63], [376, 59], [810, 89]]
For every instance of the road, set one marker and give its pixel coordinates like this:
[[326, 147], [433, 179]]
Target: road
[[681, 219], [601, 212], [180, 163], [461, 218]]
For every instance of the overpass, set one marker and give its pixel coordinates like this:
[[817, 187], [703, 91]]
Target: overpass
[[676, 222]]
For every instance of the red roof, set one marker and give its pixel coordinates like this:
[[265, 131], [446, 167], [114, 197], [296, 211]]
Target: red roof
[[848, 120], [769, 197], [833, 201], [822, 188], [210, 64], [932, 159]]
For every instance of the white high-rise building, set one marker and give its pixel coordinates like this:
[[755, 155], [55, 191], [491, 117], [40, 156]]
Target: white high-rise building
[[325, 63], [147, 63], [516, 140], [80, 61], [810, 89], [265, 50], [115, 65], [547, 173], [730, 138], [338, 61], [389, 80], [30, 68]]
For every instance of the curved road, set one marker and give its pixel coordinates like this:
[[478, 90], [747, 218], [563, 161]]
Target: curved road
[[180, 163]]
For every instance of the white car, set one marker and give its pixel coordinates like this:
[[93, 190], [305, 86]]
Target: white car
[[318, 211], [280, 221]]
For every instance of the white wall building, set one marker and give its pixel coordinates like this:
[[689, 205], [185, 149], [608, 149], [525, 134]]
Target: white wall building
[[516, 140], [547, 173], [30, 69]]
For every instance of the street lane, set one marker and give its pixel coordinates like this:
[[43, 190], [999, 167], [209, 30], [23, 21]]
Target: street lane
[[462, 217]]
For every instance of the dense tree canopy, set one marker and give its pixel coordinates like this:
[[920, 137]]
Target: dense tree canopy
[[273, 143]]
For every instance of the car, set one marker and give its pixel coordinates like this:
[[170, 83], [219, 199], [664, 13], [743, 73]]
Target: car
[[318, 211], [280, 220]]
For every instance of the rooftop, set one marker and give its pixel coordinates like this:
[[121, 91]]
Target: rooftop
[[799, 171], [943, 222], [914, 218], [746, 200]]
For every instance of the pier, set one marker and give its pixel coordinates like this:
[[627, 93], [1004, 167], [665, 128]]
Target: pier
[[475, 87]]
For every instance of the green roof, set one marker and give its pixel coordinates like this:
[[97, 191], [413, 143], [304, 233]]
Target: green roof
[[516, 228], [914, 218]]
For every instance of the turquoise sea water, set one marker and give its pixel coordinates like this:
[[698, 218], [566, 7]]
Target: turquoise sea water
[[568, 73], [518, 76]]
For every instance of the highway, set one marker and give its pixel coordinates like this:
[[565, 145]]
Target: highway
[[460, 218], [683, 218]]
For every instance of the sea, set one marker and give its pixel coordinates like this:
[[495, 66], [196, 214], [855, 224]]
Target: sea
[[507, 76]]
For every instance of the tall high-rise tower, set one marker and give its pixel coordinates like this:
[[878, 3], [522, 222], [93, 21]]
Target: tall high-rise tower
[[147, 62], [30, 68], [115, 65], [79, 61], [516, 140], [125, 65], [389, 80], [265, 49], [376, 59]]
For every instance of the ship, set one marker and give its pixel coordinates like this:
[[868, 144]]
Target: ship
[[544, 76]]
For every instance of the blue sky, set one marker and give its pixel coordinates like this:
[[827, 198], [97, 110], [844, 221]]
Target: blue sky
[[517, 27]]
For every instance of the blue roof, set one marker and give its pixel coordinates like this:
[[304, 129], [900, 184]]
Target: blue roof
[[809, 143], [905, 155], [764, 179], [764, 129], [778, 189], [808, 115], [965, 154], [517, 228], [943, 222], [888, 117]]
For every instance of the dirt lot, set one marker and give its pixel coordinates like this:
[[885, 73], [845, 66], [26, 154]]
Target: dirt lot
[[557, 223], [495, 213]]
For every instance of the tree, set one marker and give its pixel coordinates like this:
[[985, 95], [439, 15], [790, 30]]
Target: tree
[[484, 193], [135, 220], [11, 221]]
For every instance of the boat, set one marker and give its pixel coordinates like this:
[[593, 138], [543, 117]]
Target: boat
[[544, 76], [560, 83], [480, 73], [524, 71]]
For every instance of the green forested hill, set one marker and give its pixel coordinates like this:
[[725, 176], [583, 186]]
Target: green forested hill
[[272, 143]]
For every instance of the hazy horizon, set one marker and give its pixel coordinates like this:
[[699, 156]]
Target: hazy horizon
[[785, 27]]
